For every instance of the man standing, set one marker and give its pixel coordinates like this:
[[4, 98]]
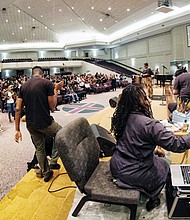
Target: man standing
[[39, 96], [147, 79]]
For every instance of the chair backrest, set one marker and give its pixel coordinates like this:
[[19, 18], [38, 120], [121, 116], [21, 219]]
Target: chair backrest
[[78, 150]]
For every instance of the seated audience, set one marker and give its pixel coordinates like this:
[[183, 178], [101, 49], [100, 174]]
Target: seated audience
[[134, 164]]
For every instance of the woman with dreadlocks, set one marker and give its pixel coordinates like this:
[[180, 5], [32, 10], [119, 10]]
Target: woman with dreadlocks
[[134, 164]]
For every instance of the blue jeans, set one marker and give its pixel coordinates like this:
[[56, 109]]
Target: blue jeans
[[11, 110]]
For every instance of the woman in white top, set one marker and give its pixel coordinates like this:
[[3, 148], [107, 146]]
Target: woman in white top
[[10, 96]]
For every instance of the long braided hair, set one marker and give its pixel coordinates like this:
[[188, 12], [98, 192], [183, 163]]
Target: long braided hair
[[132, 99]]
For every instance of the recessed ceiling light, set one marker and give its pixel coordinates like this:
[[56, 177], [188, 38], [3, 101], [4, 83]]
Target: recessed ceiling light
[[41, 16], [72, 8], [13, 33], [29, 7], [152, 13], [128, 9], [71, 20], [20, 28], [60, 10], [92, 27], [33, 19], [101, 19], [92, 7], [3, 40], [82, 19], [33, 34], [18, 11], [6, 20], [25, 39], [115, 21], [109, 8], [53, 24], [105, 28], [48, 0], [45, 27]]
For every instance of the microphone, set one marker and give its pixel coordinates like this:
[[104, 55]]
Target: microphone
[[164, 66]]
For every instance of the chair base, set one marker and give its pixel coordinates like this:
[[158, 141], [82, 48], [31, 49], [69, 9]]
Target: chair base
[[132, 207]]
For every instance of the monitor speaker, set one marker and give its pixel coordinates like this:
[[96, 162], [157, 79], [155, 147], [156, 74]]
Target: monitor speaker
[[113, 102], [105, 139]]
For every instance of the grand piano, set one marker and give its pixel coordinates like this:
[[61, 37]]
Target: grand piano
[[164, 78]]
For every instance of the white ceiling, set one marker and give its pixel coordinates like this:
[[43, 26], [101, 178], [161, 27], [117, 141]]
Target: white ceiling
[[73, 23]]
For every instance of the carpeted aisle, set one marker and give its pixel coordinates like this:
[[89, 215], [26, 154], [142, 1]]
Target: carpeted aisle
[[30, 199]]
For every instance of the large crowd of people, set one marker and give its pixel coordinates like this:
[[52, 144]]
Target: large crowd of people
[[75, 87]]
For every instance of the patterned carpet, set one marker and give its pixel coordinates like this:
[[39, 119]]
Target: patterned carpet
[[83, 108]]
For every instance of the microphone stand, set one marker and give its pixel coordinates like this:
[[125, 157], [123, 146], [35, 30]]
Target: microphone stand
[[163, 104]]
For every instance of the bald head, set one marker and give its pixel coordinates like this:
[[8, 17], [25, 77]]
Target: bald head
[[37, 71]]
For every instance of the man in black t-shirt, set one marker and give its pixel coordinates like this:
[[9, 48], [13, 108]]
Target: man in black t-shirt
[[39, 96]]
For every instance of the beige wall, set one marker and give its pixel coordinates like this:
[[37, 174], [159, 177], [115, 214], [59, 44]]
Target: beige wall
[[157, 50]]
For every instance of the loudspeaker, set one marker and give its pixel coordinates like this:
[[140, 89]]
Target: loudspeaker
[[113, 102], [105, 139]]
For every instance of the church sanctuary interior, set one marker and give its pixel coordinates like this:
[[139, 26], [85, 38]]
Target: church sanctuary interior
[[96, 52]]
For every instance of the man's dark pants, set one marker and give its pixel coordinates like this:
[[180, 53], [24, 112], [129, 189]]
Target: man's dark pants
[[38, 139]]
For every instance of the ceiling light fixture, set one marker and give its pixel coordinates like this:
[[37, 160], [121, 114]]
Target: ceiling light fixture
[[109, 8], [29, 7], [13, 33], [41, 16], [3, 40], [33, 34], [18, 11], [72, 8], [20, 28], [71, 20], [92, 7], [33, 19], [6, 20], [82, 19], [101, 19], [104, 28], [115, 21], [53, 24], [128, 9], [60, 10], [45, 27]]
